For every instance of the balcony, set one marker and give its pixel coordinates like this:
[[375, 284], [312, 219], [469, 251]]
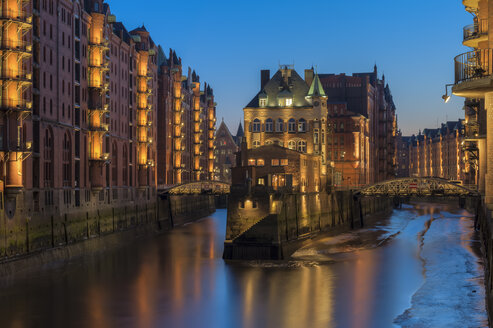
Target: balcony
[[20, 16], [471, 5], [473, 71], [476, 33], [16, 75], [16, 105], [16, 46]]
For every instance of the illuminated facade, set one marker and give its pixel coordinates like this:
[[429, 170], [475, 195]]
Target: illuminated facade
[[368, 95], [473, 75], [224, 153], [79, 99], [439, 153], [349, 121], [290, 112], [187, 124], [348, 146]]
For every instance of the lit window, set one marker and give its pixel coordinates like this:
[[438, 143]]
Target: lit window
[[279, 125], [289, 101], [292, 145], [301, 125], [302, 146], [269, 125], [261, 182], [263, 102], [256, 144], [284, 162], [260, 162], [256, 125], [291, 125], [275, 162], [251, 162]]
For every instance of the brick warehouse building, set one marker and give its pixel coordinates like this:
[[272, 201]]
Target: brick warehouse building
[[79, 119]]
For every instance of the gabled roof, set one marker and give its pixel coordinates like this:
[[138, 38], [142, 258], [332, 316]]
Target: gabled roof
[[277, 85], [224, 128]]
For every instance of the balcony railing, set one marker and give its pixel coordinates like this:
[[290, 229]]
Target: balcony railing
[[473, 65], [15, 75], [476, 30], [15, 45], [16, 105], [18, 15]]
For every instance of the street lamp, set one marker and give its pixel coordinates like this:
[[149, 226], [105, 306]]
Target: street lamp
[[446, 96]]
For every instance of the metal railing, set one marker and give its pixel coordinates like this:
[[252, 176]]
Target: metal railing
[[20, 15], [476, 30], [473, 65], [13, 74], [15, 45], [21, 105]]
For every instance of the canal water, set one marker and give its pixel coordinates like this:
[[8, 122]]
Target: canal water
[[418, 267]]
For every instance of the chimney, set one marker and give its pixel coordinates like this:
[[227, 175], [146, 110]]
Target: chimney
[[264, 78], [309, 76]]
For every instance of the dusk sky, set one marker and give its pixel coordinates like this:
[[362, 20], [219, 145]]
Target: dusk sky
[[228, 43]]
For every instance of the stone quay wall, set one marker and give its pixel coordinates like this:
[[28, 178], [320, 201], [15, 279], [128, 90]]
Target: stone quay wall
[[269, 226], [31, 233]]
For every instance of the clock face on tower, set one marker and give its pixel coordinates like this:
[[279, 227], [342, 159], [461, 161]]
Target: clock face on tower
[[316, 103]]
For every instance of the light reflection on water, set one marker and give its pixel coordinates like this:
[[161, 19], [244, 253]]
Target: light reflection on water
[[179, 280]]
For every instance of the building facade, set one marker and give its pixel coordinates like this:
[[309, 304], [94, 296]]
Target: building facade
[[368, 95], [439, 153], [224, 153], [187, 116], [349, 121], [80, 101], [473, 76]]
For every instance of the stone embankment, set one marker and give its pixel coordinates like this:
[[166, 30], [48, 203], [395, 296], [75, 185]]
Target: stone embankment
[[41, 239], [268, 226]]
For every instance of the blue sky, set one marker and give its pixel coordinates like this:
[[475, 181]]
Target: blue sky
[[229, 42]]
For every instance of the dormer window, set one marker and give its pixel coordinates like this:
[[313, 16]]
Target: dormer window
[[289, 101], [263, 102]]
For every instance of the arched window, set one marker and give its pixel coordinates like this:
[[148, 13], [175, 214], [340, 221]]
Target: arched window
[[256, 125], [48, 158], [302, 146], [269, 142], [291, 125], [292, 145], [280, 125], [302, 125], [125, 166], [269, 125], [114, 164], [67, 161], [256, 144]]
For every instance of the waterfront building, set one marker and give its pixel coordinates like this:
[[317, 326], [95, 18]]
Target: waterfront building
[[348, 146], [403, 159], [187, 116], [473, 75], [78, 128], [224, 153], [276, 168], [368, 95], [349, 121], [440, 153]]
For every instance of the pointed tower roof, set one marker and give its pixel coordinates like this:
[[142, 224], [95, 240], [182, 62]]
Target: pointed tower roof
[[239, 132], [316, 89]]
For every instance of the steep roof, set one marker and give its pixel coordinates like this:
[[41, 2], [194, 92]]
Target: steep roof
[[316, 89], [278, 86], [239, 132], [223, 128]]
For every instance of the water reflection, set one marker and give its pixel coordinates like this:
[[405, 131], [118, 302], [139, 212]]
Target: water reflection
[[179, 280]]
